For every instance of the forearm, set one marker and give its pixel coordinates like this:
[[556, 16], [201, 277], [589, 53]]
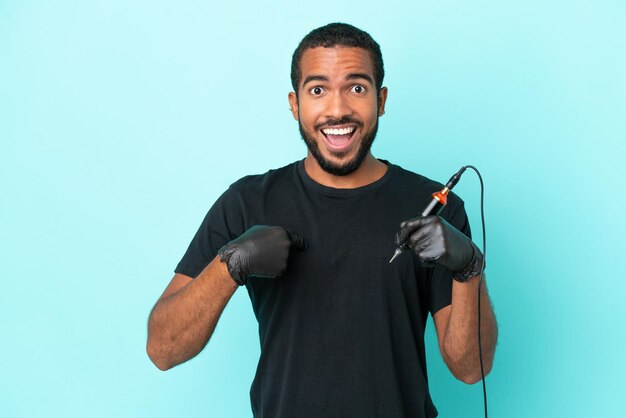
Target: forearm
[[460, 345], [181, 324]]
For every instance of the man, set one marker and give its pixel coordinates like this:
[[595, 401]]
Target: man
[[341, 328]]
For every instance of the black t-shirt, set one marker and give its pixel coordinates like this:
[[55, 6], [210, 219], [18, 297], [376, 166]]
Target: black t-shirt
[[342, 331]]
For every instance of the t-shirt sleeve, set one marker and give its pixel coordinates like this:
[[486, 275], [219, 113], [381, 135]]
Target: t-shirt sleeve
[[440, 294], [223, 223]]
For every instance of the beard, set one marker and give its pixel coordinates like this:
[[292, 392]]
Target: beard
[[345, 167]]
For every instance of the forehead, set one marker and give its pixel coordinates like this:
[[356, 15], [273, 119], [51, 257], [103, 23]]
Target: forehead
[[336, 62]]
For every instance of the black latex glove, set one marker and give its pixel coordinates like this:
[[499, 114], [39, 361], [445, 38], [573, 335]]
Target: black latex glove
[[436, 241], [260, 251]]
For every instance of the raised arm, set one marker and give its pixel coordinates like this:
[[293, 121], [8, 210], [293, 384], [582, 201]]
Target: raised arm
[[184, 317], [457, 331], [436, 241]]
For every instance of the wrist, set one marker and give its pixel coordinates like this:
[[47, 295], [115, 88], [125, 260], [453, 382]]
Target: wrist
[[226, 254], [473, 269], [220, 270]]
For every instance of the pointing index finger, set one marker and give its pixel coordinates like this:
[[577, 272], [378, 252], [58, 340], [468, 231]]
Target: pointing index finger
[[297, 241]]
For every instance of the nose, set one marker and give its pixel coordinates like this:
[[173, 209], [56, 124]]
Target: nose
[[338, 106]]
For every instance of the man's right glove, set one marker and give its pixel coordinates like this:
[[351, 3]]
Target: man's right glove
[[261, 251]]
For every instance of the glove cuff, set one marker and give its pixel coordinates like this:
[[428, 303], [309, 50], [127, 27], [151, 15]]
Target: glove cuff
[[225, 254], [474, 268]]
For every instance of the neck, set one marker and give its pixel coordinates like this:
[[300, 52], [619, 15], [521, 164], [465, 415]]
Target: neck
[[368, 172]]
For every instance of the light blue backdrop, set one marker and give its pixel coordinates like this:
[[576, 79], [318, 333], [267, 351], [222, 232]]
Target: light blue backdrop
[[121, 122]]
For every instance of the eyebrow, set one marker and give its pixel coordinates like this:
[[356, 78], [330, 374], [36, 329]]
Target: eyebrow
[[314, 78], [355, 76], [351, 76]]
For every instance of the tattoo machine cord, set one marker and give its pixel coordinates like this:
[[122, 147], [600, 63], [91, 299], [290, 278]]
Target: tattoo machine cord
[[480, 280], [434, 207]]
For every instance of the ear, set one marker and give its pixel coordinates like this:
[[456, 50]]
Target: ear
[[293, 104], [382, 99]]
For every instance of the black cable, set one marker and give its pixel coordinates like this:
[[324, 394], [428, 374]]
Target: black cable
[[480, 281]]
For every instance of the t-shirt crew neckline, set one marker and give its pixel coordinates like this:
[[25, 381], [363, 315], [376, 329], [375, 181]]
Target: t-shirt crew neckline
[[332, 191]]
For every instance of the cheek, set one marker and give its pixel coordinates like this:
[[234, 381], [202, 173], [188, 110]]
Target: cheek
[[366, 108], [310, 113], [371, 110]]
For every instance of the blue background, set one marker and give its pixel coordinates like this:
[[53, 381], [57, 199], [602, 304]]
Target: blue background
[[121, 123]]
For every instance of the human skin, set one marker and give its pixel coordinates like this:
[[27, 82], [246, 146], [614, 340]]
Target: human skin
[[327, 92], [457, 328], [183, 319], [337, 83]]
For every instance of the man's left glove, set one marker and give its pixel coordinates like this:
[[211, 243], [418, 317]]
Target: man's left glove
[[434, 240]]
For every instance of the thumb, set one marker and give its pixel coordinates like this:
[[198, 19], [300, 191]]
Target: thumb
[[414, 223], [296, 240]]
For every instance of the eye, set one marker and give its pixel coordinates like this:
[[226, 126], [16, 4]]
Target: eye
[[316, 91], [357, 88]]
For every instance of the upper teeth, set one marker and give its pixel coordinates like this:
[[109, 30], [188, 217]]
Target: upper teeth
[[342, 131]]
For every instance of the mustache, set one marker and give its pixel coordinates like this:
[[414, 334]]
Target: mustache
[[334, 122]]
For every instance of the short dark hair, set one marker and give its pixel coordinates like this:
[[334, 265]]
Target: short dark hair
[[337, 34]]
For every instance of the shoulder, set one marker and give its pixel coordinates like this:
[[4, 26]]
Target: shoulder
[[249, 193], [258, 183], [404, 177]]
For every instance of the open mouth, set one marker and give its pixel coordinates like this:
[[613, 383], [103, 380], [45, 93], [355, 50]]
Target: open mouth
[[339, 139]]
